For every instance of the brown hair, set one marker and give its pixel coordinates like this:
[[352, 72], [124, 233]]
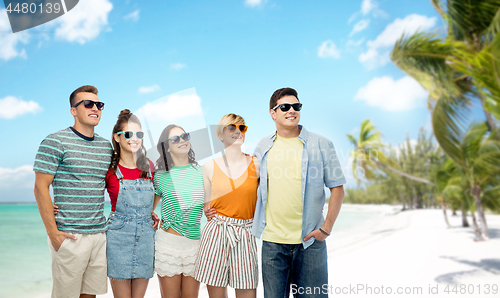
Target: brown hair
[[142, 162], [280, 93], [228, 119], [165, 155], [86, 88]]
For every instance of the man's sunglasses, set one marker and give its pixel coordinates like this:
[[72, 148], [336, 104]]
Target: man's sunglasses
[[286, 106], [130, 134], [89, 104], [232, 127], [177, 139]]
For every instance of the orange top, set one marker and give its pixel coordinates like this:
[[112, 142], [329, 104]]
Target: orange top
[[234, 198]]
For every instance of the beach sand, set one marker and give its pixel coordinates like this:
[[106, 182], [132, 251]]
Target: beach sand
[[412, 252]]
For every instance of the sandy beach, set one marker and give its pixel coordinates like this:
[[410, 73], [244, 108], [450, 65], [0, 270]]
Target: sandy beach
[[405, 254]]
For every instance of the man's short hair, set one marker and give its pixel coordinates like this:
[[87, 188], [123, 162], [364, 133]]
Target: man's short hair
[[280, 93], [86, 88]]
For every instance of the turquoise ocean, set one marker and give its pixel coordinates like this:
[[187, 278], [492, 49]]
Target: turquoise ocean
[[25, 266]]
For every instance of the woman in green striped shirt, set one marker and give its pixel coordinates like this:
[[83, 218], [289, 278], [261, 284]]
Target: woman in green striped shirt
[[178, 184]]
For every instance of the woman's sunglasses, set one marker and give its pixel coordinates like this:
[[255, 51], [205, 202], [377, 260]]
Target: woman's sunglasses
[[232, 127], [177, 139], [89, 104], [130, 134], [286, 106]]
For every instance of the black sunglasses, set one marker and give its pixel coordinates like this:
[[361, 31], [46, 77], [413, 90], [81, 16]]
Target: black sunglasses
[[128, 134], [286, 106], [89, 104], [177, 139]]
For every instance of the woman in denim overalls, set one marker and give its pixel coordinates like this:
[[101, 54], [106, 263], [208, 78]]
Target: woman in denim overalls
[[131, 228]]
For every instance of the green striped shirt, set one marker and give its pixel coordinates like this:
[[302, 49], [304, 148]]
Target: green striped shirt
[[181, 190], [79, 165]]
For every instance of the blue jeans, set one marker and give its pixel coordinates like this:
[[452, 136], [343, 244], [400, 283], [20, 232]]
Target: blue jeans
[[291, 268]]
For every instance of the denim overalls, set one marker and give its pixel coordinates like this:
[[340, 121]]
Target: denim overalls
[[130, 236]]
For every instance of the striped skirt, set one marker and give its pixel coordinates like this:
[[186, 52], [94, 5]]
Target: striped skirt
[[228, 254]]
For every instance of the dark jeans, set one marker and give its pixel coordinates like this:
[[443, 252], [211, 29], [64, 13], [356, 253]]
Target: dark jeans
[[291, 268]]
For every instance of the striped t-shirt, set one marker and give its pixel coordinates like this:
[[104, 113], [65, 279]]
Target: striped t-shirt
[[79, 165], [181, 190]]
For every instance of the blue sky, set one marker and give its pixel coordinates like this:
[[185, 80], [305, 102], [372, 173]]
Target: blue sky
[[234, 53]]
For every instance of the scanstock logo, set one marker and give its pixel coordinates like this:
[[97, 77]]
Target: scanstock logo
[[28, 14]]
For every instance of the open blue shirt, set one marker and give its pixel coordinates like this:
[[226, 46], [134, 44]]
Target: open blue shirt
[[320, 167]]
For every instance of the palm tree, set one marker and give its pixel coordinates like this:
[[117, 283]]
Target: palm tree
[[369, 155], [478, 155], [458, 67]]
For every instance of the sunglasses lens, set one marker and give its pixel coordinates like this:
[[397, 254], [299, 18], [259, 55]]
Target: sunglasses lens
[[88, 104], [285, 107], [139, 135], [185, 136], [128, 134], [99, 105], [175, 140], [243, 128], [231, 127], [297, 106]]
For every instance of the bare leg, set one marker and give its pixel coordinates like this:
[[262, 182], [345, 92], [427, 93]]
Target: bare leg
[[246, 293], [121, 288], [86, 296], [139, 287], [217, 292], [170, 287], [190, 287]]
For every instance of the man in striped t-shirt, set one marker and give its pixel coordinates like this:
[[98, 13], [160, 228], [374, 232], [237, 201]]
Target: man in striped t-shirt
[[75, 162]]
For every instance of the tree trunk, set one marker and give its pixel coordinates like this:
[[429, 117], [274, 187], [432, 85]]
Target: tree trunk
[[476, 193], [465, 223], [474, 224], [489, 119], [422, 180], [443, 206]]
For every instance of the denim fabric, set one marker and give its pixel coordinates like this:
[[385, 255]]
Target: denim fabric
[[130, 236], [320, 168], [290, 268]]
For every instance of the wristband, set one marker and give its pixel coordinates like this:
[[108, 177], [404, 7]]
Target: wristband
[[324, 232]]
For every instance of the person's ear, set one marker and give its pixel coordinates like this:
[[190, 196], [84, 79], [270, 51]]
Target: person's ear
[[273, 114], [116, 137], [73, 111]]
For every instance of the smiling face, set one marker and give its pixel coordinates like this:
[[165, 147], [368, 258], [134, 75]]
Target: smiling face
[[235, 138], [133, 144], [180, 149], [289, 119], [83, 116]]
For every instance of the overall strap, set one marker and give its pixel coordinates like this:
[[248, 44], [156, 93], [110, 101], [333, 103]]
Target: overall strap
[[118, 173]]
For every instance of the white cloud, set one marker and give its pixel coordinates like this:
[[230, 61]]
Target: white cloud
[[328, 50], [9, 41], [354, 43], [174, 108], [360, 26], [21, 177], [379, 49], [148, 89], [133, 16], [401, 95], [84, 22], [177, 66], [367, 6], [253, 3], [11, 107]]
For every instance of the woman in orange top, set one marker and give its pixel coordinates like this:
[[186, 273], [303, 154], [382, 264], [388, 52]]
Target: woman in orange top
[[228, 251]]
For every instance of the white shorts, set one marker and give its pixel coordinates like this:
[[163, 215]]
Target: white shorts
[[79, 266], [228, 254], [175, 254]]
